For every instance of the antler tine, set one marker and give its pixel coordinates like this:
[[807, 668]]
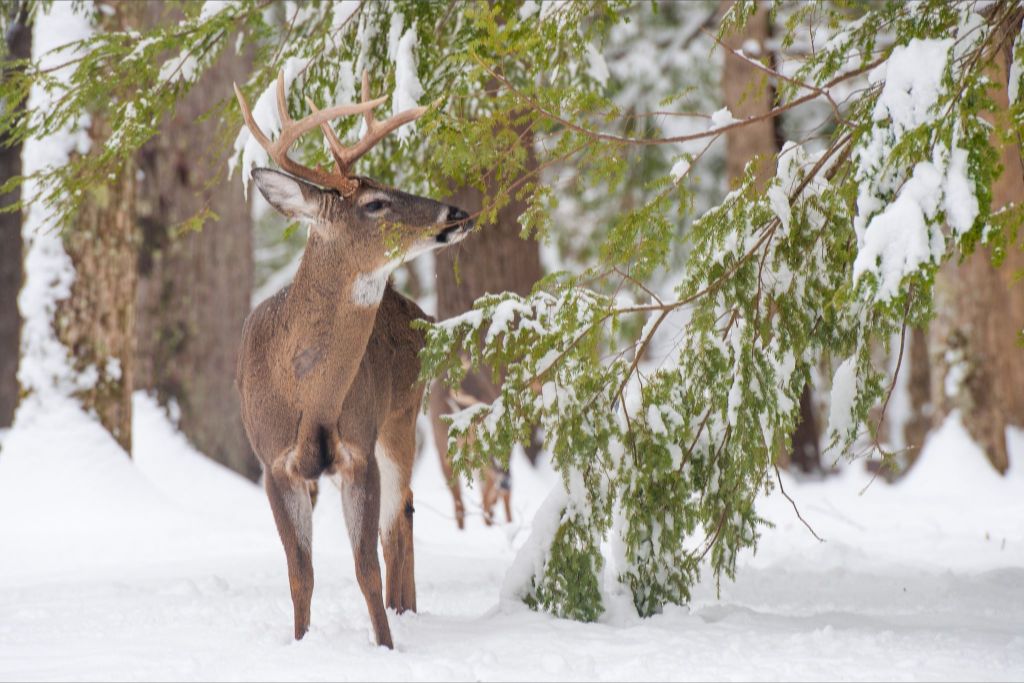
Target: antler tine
[[292, 130], [282, 101], [337, 149], [250, 122], [375, 130], [370, 119]]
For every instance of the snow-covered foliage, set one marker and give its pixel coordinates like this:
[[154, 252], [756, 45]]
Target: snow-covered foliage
[[836, 255]]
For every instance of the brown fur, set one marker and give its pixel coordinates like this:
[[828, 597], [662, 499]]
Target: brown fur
[[327, 378]]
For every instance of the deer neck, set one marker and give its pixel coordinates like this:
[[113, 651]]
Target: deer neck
[[330, 310]]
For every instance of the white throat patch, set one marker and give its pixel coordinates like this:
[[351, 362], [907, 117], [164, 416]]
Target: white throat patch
[[368, 288]]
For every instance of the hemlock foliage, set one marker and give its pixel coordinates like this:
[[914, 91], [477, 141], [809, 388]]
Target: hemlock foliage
[[662, 455]]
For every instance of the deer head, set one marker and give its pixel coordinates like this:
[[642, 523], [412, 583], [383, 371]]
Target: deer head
[[369, 228]]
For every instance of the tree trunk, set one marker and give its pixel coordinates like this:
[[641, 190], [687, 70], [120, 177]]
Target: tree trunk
[[19, 46], [978, 365], [919, 387], [492, 260], [746, 92], [97, 321], [195, 288]]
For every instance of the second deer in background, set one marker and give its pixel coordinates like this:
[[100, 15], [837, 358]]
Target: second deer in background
[[496, 481]]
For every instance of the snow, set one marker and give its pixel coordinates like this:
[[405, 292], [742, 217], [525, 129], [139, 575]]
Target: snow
[[268, 119], [959, 200], [597, 69], [528, 9], [211, 8], [844, 393], [341, 12], [166, 566], [1016, 69], [181, 68], [723, 117], [900, 239], [679, 170], [533, 554], [408, 89], [44, 369], [912, 78], [395, 30]]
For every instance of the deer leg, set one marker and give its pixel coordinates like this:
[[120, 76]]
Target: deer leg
[[392, 532], [293, 514], [489, 495], [505, 492], [409, 582], [360, 497], [396, 451], [438, 407]]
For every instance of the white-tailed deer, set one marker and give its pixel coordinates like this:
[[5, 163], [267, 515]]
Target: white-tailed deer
[[328, 366], [495, 479]]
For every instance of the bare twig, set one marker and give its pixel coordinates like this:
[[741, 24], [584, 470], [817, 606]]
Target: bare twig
[[782, 489]]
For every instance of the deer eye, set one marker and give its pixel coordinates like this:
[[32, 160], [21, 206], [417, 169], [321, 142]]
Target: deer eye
[[376, 206]]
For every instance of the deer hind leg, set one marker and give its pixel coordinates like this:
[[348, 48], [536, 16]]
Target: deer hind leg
[[359, 482], [504, 477], [293, 514], [489, 495], [438, 407], [506, 498], [396, 450]]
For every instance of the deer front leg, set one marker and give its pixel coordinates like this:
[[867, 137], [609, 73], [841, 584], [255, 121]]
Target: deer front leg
[[393, 534], [395, 452], [293, 515], [409, 580], [360, 497]]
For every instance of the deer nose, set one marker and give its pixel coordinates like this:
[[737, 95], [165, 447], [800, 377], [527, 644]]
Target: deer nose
[[456, 215], [457, 225]]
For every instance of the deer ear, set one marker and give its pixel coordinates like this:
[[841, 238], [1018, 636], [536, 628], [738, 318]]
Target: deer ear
[[292, 197]]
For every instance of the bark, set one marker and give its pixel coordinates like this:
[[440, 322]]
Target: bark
[[492, 260], [97, 321], [919, 387], [978, 366], [19, 46], [747, 93], [195, 288]]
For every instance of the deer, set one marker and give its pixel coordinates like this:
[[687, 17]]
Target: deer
[[328, 366], [495, 478]]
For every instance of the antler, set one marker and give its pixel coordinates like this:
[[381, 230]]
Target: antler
[[376, 131], [340, 179]]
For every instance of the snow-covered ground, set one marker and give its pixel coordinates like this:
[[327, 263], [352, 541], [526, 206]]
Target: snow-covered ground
[[169, 567]]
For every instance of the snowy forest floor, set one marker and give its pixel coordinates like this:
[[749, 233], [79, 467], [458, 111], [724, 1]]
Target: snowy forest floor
[[169, 567]]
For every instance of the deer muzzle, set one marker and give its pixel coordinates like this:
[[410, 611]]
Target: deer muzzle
[[458, 227]]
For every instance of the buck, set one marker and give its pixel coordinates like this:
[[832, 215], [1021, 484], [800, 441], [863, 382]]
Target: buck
[[328, 366]]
